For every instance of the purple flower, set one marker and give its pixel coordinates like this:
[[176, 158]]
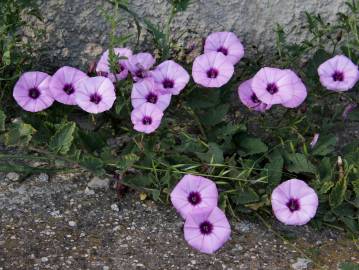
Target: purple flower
[[273, 85], [249, 99], [96, 94], [212, 69], [294, 202], [140, 64], [299, 92], [103, 66], [194, 192], [314, 140], [32, 92], [147, 91], [146, 118], [64, 84], [338, 73], [171, 77], [226, 43], [207, 229]]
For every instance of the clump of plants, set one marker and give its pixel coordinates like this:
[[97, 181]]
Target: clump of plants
[[236, 137]]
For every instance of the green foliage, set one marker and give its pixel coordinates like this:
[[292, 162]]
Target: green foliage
[[14, 50], [62, 140], [299, 163], [19, 134], [2, 120], [204, 132]]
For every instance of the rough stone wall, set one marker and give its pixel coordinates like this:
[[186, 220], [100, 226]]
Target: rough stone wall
[[77, 31]]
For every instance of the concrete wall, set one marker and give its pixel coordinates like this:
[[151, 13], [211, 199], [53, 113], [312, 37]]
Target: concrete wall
[[77, 31]]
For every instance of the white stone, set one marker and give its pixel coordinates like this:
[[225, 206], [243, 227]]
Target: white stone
[[98, 183], [44, 259], [114, 207], [72, 223], [301, 264], [43, 177], [13, 176], [89, 191]]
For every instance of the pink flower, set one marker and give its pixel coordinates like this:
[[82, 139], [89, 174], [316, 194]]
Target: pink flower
[[249, 99], [207, 229], [64, 84], [140, 64], [171, 77], [273, 85], [314, 140], [96, 94], [146, 118], [147, 91], [299, 92], [338, 73], [212, 69], [294, 202], [103, 66], [32, 92], [194, 192], [226, 43]]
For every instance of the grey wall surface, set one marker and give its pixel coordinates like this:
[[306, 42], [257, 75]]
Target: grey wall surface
[[76, 31]]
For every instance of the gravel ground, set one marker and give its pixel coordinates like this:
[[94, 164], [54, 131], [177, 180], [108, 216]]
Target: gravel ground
[[77, 222]]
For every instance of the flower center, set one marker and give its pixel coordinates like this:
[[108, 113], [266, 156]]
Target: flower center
[[167, 83], [255, 99], [69, 89], [95, 98], [212, 73], [120, 68], [206, 227], [338, 76], [140, 74], [272, 88], [223, 50], [34, 93], [102, 73], [152, 98], [293, 205], [147, 120], [194, 198]]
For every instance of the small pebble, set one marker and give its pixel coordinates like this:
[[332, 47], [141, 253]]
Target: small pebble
[[72, 223]]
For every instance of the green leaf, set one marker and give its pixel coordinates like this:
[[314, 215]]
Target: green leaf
[[215, 115], [181, 5], [203, 98], [348, 266], [325, 187], [93, 164], [19, 135], [325, 145], [138, 180], [214, 154], [325, 169], [275, 167], [2, 120], [251, 145], [127, 161], [245, 196], [298, 163], [356, 187], [63, 138], [336, 197]]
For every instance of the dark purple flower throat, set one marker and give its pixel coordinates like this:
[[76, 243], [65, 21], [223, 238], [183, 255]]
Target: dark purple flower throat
[[34, 93], [194, 198], [206, 227], [293, 205], [69, 89]]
